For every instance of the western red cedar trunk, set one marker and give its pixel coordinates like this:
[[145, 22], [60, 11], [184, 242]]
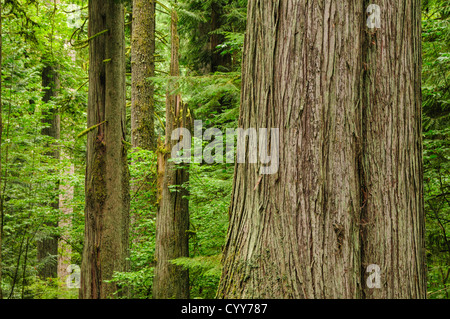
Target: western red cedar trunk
[[303, 232], [172, 220], [47, 248], [391, 133], [142, 91], [143, 68], [107, 175]]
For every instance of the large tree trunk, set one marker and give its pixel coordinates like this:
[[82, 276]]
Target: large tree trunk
[[172, 221], [47, 248], [107, 175], [393, 225], [304, 231]]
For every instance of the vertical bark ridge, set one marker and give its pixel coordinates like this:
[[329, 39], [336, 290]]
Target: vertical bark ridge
[[393, 235], [172, 238], [107, 175], [299, 74]]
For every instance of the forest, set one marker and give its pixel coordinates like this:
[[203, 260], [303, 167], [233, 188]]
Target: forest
[[224, 149]]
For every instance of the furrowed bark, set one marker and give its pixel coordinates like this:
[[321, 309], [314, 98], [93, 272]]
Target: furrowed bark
[[392, 226], [304, 232], [143, 68], [107, 175], [172, 221]]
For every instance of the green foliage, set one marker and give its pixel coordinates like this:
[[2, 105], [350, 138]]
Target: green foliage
[[199, 21], [37, 34], [52, 288], [204, 272], [436, 110], [30, 175]]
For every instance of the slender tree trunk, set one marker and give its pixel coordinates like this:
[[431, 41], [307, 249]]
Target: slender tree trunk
[[143, 68], [304, 231], [217, 58], [172, 221], [142, 91], [48, 246], [107, 176], [66, 208]]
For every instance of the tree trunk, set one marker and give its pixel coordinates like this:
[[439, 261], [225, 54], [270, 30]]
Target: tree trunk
[[66, 208], [218, 59], [47, 248], [303, 232], [143, 67], [107, 175], [172, 221], [142, 93], [66, 196], [393, 224]]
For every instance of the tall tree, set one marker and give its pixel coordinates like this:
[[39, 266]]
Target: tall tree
[[172, 221], [47, 247], [348, 194], [142, 88], [66, 208], [107, 175], [390, 130], [143, 68]]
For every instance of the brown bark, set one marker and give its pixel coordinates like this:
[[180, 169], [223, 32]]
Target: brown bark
[[143, 68], [391, 175], [47, 248], [107, 175], [303, 232], [172, 221], [142, 91]]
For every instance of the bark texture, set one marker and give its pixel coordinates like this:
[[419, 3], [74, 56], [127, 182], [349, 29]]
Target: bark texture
[[142, 94], [143, 68], [172, 221], [393, 222], [107, 175], [303, 232], [47, 248]]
